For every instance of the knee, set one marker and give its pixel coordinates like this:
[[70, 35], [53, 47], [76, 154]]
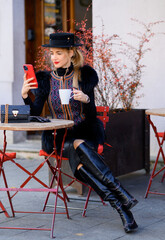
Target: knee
[[79, 166], [77, 142]]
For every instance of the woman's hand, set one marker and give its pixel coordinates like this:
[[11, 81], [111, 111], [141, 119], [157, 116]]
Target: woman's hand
[[80, 96], [27, 85]]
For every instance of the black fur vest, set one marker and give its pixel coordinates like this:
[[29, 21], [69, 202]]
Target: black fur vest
[[89, 80]]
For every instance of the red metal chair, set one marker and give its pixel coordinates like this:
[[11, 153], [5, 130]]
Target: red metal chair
[[3, 210], [102, 114], [160, 136], [8, 156]]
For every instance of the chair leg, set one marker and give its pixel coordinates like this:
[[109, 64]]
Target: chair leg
[[4, 210], [46, 201], [163, 178], [152, 176], [154, 173], [54, 177], [163, 158], [87, 200]]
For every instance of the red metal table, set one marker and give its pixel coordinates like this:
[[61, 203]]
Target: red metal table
[[35, 126], [160, 136]]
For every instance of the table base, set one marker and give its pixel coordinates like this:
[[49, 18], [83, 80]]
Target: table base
[[56, 176]]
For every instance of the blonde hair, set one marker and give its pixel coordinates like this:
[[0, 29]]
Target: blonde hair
[[78, 61]]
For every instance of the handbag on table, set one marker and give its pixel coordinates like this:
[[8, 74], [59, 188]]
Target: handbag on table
[[19, 114], [15, 113]]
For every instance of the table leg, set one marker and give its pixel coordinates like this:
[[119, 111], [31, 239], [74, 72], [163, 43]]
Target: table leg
[[3, 172], [59, 161]]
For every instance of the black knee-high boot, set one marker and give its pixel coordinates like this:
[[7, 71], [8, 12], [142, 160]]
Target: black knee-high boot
[[94, 164], [103, 191]]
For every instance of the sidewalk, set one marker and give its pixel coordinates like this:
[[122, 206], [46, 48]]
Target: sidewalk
[[101, 222]]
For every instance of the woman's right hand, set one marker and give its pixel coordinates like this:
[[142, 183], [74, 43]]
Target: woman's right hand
[[27, 85]]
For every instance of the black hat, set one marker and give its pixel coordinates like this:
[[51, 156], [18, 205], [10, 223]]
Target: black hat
[[61, 40]]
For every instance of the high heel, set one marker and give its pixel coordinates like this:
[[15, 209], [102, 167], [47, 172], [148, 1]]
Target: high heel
[[127, 218], [94, 163], [103, 191]]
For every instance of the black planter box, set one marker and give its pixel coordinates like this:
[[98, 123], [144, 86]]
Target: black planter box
[[128, 134]]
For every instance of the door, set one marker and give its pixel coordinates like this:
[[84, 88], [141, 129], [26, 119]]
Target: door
[[43, 17], [33, 28]]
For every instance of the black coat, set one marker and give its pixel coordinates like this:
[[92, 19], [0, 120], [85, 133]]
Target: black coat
[[91, 128]]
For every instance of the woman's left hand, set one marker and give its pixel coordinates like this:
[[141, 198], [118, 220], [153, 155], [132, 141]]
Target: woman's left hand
[[80, 96]]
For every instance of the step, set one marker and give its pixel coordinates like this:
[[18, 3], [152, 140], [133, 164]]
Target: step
[[26, 149]]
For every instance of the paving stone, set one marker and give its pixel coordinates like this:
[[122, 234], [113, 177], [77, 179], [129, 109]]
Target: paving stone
[[101, 222]]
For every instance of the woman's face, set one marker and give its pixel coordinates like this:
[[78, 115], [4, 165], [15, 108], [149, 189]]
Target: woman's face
[[61, 57]]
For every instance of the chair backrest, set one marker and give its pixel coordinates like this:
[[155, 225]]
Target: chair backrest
[[102, 114]]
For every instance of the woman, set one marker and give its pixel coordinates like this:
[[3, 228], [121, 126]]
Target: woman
[[82, 140]]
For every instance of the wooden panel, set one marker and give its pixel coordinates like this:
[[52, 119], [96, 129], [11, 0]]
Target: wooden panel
[[39, 28], [33, 28], [72, 16], [29, 25], [64, 15]]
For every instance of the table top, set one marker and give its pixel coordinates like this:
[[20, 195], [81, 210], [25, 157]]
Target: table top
[[156, 112], [37, 126]]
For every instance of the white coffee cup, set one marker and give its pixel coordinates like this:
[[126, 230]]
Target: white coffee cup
[[65, 95]]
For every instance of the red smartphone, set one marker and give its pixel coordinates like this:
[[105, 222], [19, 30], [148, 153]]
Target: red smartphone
[[29, 70]]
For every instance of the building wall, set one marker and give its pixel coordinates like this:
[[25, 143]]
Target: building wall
[[6, 51], [19, 57], [19, 48], [12, 50], [12, 55], [116, 16]]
